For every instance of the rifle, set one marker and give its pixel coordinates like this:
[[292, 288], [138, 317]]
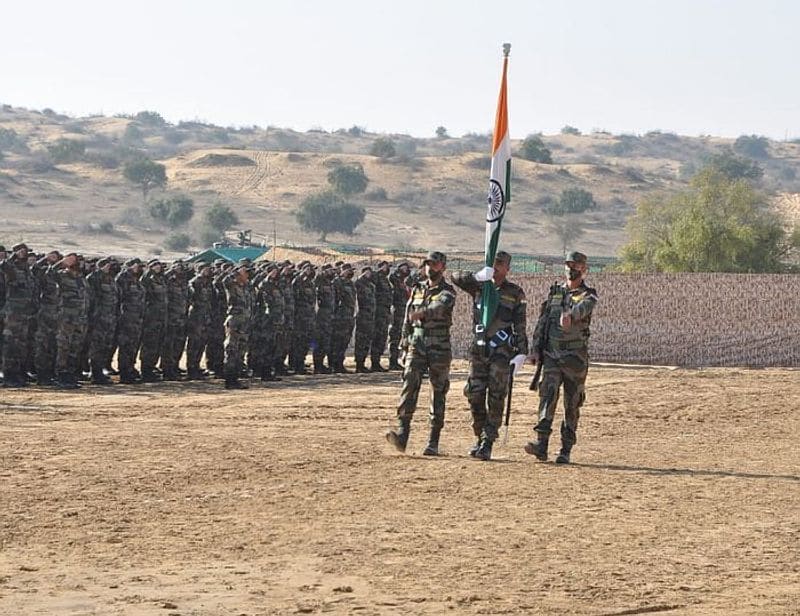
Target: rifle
[[508, 402], [544, 337]]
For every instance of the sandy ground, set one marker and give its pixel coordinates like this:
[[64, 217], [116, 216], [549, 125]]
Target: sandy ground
[[186, 499]]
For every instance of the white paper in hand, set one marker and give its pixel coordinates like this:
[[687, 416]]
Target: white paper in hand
[[517, 361], [482, 275]]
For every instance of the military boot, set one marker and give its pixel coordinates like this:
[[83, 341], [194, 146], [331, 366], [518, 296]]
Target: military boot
[[195, 374], [319, 367], [44, 378], [539, 448], [474, 449], [232, 382], [360, 367], [432, 448], [398, 437], [485, 450], [375, 365], [149, 376], [563, 455], [268, 374], [171, 375], [66, 380], [99, 377], [393, 363]]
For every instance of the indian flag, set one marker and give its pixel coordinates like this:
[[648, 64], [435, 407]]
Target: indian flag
[[499, 191]]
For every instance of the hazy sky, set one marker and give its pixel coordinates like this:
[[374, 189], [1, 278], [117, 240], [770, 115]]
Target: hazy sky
[[719, 67]]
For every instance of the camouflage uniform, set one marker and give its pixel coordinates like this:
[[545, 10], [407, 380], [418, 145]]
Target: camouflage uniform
[[47, 317], [489, 363], [177, 312], [102, 321], [73, 319], [18, 310], [399, 300], [305, 301], [343, 320], [273, 304], [428, 348], [215, 351], [2, 303], [288, 321], [323, 325], [201, 307], [365, 320], [131, 316], [384, 296], [237, 326], [259, 331], [155, 321]]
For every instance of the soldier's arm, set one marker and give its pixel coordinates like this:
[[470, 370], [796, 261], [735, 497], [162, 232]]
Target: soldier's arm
[[540, 322], [585, 306], [520, 320], [440, 307], [466, 280]]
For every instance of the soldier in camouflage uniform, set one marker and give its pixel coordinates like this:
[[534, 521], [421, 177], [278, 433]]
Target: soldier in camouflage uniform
[[365, 317], [305, 301], [3, 255], [272, 305], [18, 310], [155, 319], [47, 315], [102, 318], [343, 317], [237, 324], [29, 363], [215, 352], [201, 306], [427, 334], [131, 315], [563, 326], [383, 315], [323, 325], [177, 281], [287, 275], [73, 318], [399, 300], [491, 353]]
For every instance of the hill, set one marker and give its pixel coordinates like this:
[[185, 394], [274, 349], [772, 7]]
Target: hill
[[61, 182]]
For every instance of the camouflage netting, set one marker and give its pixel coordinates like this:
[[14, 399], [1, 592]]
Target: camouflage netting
[[678, 319]]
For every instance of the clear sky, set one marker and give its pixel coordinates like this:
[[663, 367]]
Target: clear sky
[[717, 67]]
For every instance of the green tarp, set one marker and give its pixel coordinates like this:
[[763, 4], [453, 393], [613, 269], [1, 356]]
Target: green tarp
[[230, 253]]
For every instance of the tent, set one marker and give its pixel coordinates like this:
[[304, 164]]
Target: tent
[[230, 253]]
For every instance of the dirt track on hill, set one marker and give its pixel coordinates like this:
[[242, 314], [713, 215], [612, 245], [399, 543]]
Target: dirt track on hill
[[186, 499]]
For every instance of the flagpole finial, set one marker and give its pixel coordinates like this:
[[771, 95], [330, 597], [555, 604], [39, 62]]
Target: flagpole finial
[[506, 49]]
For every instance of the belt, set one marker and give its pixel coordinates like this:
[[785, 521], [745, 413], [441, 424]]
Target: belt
[[433, 331], [567, 345]]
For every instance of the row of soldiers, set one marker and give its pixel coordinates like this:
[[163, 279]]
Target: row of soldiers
[[63, 315]]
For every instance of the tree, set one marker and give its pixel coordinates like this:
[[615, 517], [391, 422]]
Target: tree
[[150, 118], [383, 147], [566, 228], [752, 146], [533, 148], [146, 174], [572, 201], [720, 224], [328, 212], [441, 132], [220, 218], [570, 130], [174, 211], [178, 242], [348, 179], [735, 167]]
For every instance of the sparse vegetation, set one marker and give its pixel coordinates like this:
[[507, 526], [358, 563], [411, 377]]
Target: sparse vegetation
[[533, 148], [752, 146], [570, 130], [327, 212], [173, 211], [178, 242], [383, 147], [66, 150], [735, 167], [146, 174], [572, 201], [218, 219], [441, 132], [348, 179]]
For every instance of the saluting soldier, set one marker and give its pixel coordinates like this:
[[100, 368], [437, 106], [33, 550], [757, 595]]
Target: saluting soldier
[[102, 318], [19, 309], [237, 324], [272, 299], [504, 341], [343, 317], [400, 293], [198, 326], [323, 324], [131, 315], [365, 317], [383, 315], [47, 316], [427, 336], [155, 319], [562, 331], [73, 318]]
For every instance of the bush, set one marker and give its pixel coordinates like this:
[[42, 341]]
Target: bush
[[66, 150], [752, 146], [220, 218], [208, 235], [10, 140], [133, 134], [150, 118], [328, 213], [377, 194], [348, 179], [734, 167], [355, 131], [178, 242], [572, 201], [174, 211], [441, 132], [383, 147], [104, 160], [174, 137], [533, 148], [146, 174], [570, 130]]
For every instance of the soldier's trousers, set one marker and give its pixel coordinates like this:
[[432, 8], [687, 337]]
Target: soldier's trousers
[[301, 341], [15, 343], [569, 369], [129, 334], [215, 350], [152, 341], [256, 345], [174, 343], [288, 340], [379, 335], [235, 348], [101, 341], [396, 331], [486, 389], [365, 328], [323, 331], [30, 348], [340, 338], [279, 346], [45, 352], [196, 342], [438, 365], [69, 341]]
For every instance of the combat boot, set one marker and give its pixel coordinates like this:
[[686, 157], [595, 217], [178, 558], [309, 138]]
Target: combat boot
[[484, 451], [231, 382], [360, 367], [539, 448], [44, 378], [128, 378], [149, 376], [474, 449], [171, 375], [393, 363], [65, 380], [563, 455], [319, 367], [267, 374], [195, 374], [375, 365], [398, 438], [99, 377], [432, 448]]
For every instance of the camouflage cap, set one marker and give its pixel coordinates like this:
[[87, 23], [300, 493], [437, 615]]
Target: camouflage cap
[[435, 257], [153, 262], [132, 262], [2, 248], [103, 262], [347, 266], [503, 257], [366, 268], [201, 264], [575, 257], [220, 262], [20, 246], [326, 267], [382, 263]]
